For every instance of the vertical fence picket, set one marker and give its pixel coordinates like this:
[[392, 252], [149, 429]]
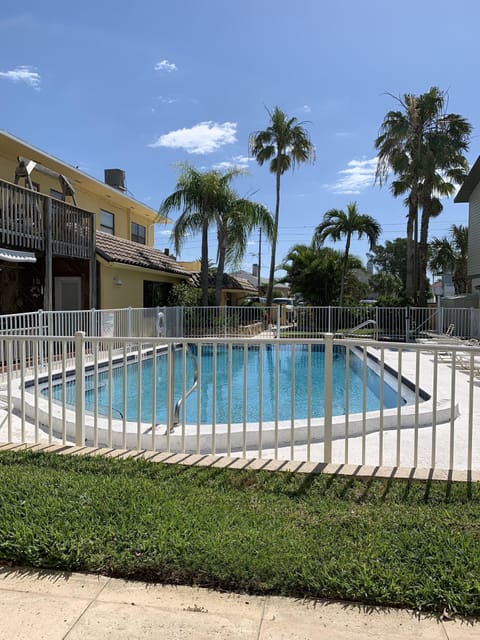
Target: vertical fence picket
[[327, 400]]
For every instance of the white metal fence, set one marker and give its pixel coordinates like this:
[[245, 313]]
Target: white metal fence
[[403, 324], [211, 395]]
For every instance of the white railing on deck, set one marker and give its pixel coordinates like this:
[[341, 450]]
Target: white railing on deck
[[437, 428]]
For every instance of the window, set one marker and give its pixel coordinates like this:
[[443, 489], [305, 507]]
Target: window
[[137, 233], [107, 222], [58, 195]]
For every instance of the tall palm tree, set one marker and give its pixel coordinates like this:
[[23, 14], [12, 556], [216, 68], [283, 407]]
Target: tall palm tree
[[284, 143], [451, 254], [424, 147], [200, 196], [234, 225], [337, 224], [445, 167]]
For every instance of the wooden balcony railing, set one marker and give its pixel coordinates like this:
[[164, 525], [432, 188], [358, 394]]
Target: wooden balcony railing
[[31, 221]]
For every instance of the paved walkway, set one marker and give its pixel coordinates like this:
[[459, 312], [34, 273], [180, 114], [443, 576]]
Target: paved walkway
[[46, 605]]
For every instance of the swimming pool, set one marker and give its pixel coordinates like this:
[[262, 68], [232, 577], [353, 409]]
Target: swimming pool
[[292, 385]]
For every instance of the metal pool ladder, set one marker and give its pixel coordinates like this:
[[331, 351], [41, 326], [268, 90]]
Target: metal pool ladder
[[178, 406]]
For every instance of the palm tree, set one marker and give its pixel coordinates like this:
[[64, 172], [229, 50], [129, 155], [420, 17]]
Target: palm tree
[[399, 145], [337, 224], [424, 147], [283, 144], [200, 196], [234, 225], [451, 255], [445, 167]]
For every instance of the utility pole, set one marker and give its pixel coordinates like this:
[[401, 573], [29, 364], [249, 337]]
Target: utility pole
[[259, 260]]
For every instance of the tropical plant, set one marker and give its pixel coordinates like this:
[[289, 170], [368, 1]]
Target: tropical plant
[[337, 224], [424, 147], [183, 294], [386, 285], [315, 273], [391, 258], [234, 224], [283, 144], [450, 254], [200, 196]]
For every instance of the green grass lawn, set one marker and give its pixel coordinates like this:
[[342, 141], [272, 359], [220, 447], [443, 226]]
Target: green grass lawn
[[376, 541]]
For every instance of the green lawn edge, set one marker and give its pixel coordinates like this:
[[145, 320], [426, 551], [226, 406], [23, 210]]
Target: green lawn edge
[[388, 542]]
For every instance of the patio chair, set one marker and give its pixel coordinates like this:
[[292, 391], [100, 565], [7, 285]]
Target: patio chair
[[444, 338]]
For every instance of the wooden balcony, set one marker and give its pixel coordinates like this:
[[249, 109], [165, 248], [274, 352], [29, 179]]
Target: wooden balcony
[[36, 222]]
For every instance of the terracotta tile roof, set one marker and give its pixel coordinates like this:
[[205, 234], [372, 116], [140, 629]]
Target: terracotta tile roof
[[229, 282], [114, 249]]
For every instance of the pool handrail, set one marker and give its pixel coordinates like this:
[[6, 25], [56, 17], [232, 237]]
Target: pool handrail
[[176, 413], [351, 332]]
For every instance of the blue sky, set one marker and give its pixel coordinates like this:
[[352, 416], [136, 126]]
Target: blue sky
[[142, 86]]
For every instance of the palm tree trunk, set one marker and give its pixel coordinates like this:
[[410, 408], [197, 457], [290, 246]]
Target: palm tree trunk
[[274, 238], [423, 246], [345, 263], [222, 249], [204, 265], [410, 284], [460, 279]]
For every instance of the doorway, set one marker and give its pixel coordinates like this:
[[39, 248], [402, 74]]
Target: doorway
[[68, 293]]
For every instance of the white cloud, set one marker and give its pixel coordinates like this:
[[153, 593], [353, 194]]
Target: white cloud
[[359, 175], [236, 161], [166, 100], [306, 108], [204, 137], [165, 65], [28, 75]]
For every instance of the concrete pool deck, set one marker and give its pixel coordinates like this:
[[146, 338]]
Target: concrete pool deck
[[49, 605], [443, 431]]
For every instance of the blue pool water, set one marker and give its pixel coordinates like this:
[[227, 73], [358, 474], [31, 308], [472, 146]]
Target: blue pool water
[[288, 358]]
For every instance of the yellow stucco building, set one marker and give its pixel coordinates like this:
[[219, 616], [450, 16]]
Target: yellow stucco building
[[70, 241]]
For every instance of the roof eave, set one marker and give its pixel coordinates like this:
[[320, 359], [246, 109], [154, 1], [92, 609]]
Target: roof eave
[[469, 183]]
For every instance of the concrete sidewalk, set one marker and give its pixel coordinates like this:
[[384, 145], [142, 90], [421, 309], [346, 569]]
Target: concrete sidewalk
[[51, 605]]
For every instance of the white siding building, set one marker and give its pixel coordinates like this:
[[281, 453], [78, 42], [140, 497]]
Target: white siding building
[[470, 192]]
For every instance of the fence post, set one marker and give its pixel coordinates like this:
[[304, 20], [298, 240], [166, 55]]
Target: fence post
[[327, 398], [171, 391], [79, 388], [129, 321], [94, 314], [407, 324], [278, 321], [179, 322], [439, 316], [40, 333]]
